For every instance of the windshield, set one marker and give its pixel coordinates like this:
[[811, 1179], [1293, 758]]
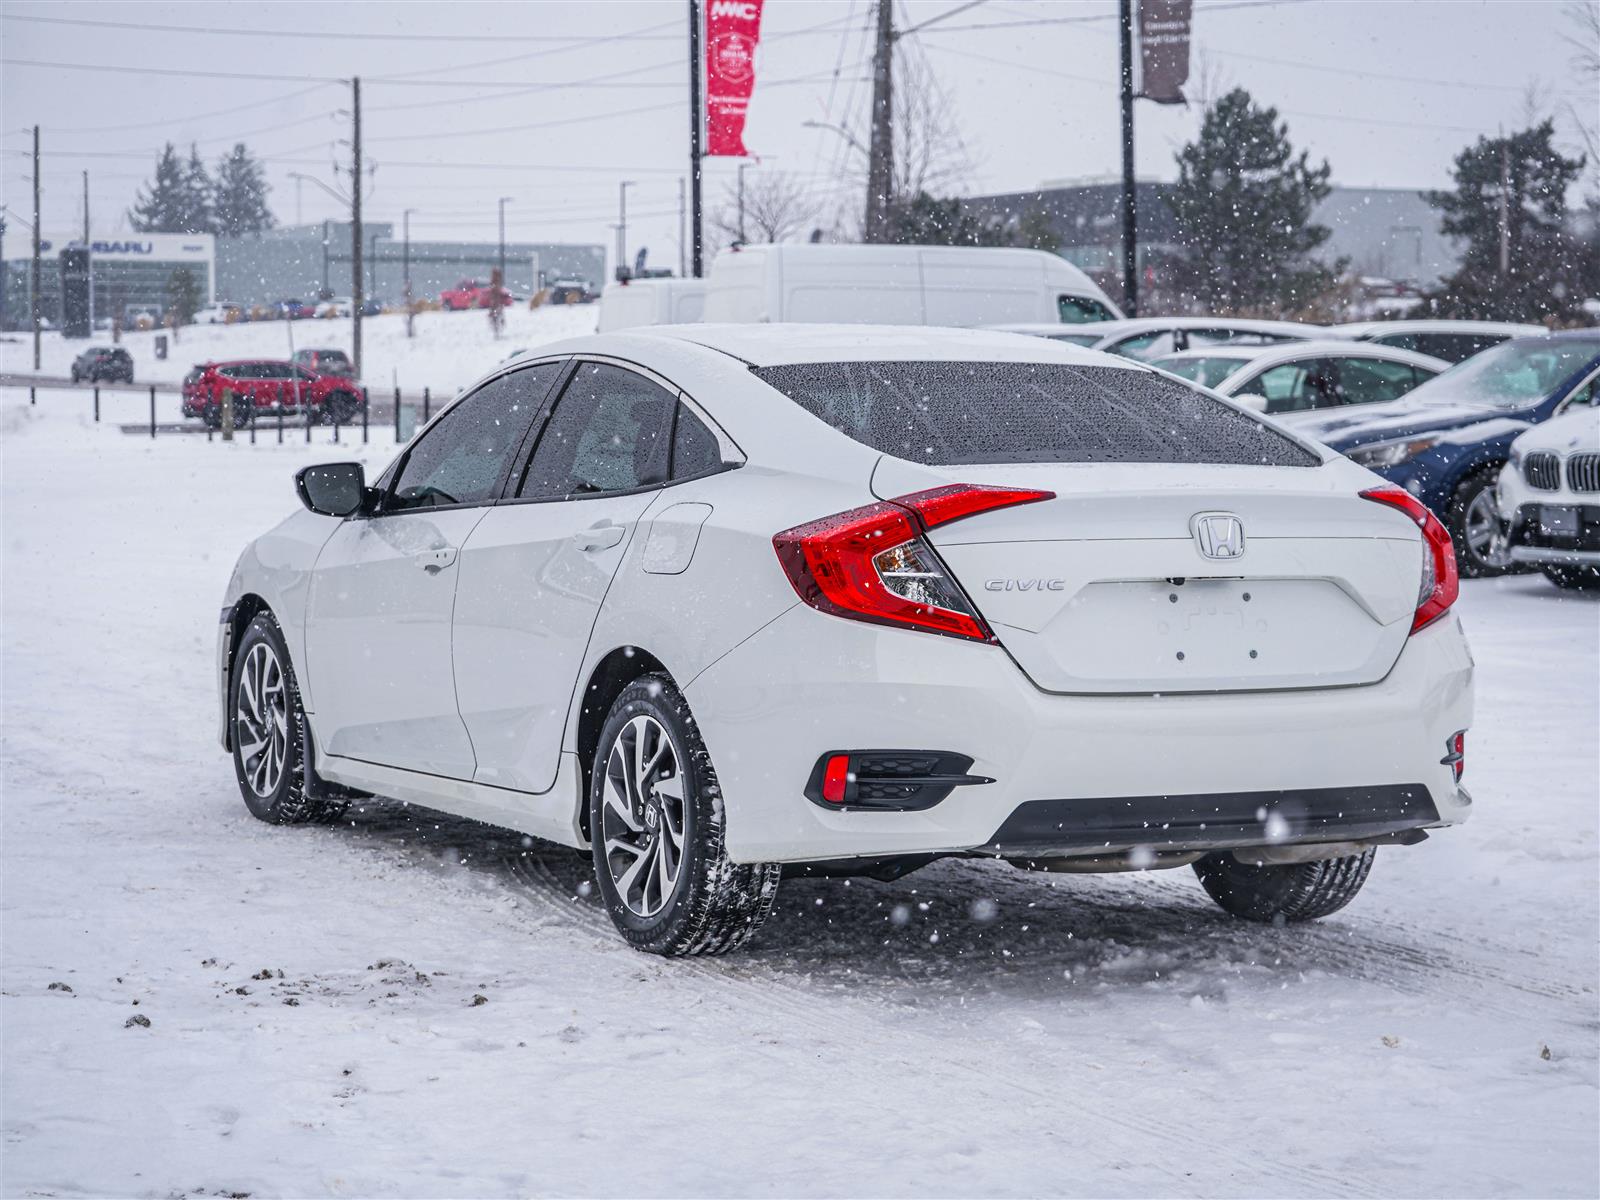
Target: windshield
[[1513, 374], [1006, 412], [1207, 372]]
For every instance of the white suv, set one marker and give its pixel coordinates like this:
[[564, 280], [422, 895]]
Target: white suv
[[1548, 497], [714, 600]]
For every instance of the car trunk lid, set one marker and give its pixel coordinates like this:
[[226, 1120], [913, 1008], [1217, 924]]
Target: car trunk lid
[[1106, 589]]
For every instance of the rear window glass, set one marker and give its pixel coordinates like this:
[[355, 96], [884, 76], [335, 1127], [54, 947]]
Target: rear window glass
[[951, 413]]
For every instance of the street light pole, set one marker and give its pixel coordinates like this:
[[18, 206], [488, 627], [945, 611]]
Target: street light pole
[[622, 227], [405, 265], [742, 237]]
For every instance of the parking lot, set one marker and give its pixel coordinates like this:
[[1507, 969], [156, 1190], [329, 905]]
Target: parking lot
[[313, 993]]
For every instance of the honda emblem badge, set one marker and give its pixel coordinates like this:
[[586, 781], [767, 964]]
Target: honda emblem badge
[[1217, 534]]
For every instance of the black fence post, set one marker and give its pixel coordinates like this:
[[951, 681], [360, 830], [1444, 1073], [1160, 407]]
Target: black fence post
[[208, 431], [152, 410], [366, 406], [280, 426], [425, 399], [97, 403], [307, 409], [32, 399], [397, 416], [335, 424], [252, 426]]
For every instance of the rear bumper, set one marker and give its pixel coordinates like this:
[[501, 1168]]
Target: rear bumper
[[1071, 773]]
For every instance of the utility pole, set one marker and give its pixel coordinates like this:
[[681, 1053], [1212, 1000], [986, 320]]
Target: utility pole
[[86, 209], [622, 227], [503, 200], [405, 265], [683, 228], [33, 298], [1130, 211], [497, 294], [1505, 208], [4, 274], [880, 157], [696, 242], [356, 298]]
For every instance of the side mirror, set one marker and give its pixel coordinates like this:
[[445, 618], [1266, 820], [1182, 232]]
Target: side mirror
[[1251, 401], [332, 489]]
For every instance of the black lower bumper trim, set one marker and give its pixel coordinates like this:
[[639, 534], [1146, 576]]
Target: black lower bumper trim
[[1211, 821]]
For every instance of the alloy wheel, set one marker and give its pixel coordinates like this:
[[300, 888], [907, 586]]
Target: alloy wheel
[[1482, 527], [261, 719], [642, 818]]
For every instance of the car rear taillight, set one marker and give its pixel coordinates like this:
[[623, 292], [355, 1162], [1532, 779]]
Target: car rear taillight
[[1455, 754], [1439, 584], [873, 564]]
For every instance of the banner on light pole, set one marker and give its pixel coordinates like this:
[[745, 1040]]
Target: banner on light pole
[[732, 33], [1162, 28]]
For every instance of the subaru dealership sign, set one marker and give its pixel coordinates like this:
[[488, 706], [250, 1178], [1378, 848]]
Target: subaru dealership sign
[[141, 247]]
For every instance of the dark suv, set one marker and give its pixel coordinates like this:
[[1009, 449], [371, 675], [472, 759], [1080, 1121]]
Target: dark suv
[[103, 364], [260, 386]]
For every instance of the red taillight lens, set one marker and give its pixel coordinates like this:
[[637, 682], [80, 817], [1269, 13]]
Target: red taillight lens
[[872, 563], [1440, 584], [835, 777], [1455, 754]]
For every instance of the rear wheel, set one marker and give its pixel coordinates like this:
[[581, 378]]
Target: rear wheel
[[1281, 893], [656, 832], [340, 408], [1473, 519]]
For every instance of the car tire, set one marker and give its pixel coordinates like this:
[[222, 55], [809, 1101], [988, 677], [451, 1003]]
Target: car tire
[[669, 893], [1581, 579], [267, 730], [1279, 893], [1473, 521]]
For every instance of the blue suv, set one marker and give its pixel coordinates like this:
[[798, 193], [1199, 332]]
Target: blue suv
[[1446, 441]]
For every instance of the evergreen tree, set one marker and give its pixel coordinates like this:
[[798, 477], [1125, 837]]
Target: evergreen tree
[[197, 192], [1548, 270], [928, 221], [162, 205], [239, 203], [1242, 206], [183, 295]]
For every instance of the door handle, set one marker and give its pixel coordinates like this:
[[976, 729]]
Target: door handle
[[437, 559], [598, 537]]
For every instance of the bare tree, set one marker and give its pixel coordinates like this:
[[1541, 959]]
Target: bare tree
[[777, 207]]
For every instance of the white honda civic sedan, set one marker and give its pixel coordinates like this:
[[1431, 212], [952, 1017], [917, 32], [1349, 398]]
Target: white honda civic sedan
[[722, 602]]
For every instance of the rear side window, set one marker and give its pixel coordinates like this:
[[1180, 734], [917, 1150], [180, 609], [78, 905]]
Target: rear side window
[[951, 413], [1078, 310], [609, 433], [694, 447]]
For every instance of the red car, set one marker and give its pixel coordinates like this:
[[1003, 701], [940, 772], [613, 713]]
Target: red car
[[262, 385], [469, 293]]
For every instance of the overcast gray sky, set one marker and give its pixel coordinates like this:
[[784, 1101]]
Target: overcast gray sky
[[464, 102]]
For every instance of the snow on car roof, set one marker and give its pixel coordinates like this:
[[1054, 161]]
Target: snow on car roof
[[775, 345], [779, 344], [1300, 349]]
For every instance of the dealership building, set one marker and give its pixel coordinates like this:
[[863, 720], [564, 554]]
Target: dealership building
[[302, 261], [127, 272], [132, 272]]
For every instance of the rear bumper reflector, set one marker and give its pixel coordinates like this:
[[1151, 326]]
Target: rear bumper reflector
[[888, 780]]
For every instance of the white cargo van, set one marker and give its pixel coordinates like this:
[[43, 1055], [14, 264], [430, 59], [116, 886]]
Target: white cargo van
[[651, 302], [900, 285]]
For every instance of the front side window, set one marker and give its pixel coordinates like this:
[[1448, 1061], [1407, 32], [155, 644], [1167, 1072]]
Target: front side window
[[1373, 380], [609, 433], [463, 458], [954, 413], [1287, 388], [1145, 346], [1080, 310]]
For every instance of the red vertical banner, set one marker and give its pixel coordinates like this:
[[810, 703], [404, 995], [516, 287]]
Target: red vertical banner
[[733, 30]]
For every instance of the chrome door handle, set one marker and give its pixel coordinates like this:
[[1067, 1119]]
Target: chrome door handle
[[437, 559], [598, 537]]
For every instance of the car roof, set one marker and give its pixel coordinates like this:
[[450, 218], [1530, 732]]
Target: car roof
[[1134, 325], [1285, 351], [1052, 328], [1362, 329], [770, 345]]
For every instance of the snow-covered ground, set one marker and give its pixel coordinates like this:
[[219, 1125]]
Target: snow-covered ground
[[449, 351], [312, 994]]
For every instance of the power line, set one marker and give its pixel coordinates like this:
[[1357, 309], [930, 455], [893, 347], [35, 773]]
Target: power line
[[647, 35], [1111, 16], [221, 112], [122, 69], [1473, 85]]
